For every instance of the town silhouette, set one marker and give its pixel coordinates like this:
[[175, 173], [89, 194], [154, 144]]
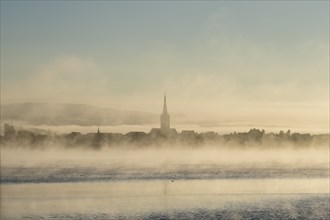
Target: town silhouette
[[165, 135]]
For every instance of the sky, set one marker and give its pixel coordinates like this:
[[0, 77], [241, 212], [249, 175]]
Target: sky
[[242, 60]]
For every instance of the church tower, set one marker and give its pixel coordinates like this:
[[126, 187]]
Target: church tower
[[165, 118]]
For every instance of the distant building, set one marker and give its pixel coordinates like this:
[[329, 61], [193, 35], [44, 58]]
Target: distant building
[[136, 135], [98, 139], [9, 131], [165, 118], [188, 133], [26, 136], [165, 129]]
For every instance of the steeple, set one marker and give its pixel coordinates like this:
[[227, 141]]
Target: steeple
[[165, 118], [164, 105], [98, 129]]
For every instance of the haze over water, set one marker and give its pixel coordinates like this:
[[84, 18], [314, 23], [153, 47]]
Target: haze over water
[[165, 183], [86, 132]]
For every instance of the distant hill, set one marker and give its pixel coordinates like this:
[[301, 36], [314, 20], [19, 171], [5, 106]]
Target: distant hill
[[73, 114]]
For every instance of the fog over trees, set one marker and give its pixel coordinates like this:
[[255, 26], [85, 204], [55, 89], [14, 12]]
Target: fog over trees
[[39, 139]]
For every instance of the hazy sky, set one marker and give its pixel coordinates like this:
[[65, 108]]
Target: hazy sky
[[260, 58]]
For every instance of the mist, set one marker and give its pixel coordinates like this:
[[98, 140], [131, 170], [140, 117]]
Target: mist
[[65, 118], [173, 154], [56, 165], [88, 133], [181, 179]]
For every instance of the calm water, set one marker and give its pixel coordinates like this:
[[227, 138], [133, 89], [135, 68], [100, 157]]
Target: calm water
[[164, 199], [165, 184]]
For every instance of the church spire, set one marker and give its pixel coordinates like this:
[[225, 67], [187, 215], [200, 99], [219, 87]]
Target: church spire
[[165, 106], [165, 118]]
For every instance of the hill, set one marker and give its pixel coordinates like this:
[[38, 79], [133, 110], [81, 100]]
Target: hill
[[73, 114]]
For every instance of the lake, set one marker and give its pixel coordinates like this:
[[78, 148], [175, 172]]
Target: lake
[[165, 184], [164, 199]]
